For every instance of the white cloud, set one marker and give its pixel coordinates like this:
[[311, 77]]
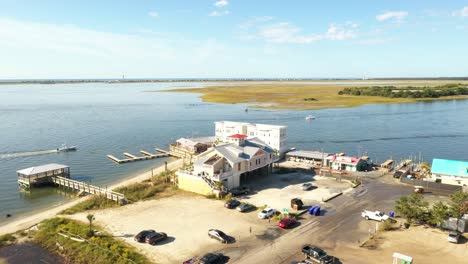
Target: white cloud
[[337, 32], [153, 14], [221, 3], [286, 33], [462, 12], [219, 13], [375, 41], [397, 16], [254, 21]]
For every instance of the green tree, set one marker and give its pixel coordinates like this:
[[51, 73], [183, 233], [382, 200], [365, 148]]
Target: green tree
[[459, 204], [439, 213], [90, 218], [412, 207]]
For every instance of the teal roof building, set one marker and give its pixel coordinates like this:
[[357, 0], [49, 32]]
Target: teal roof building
[[450, 167]]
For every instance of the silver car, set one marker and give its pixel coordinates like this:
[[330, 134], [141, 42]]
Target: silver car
[[453, 237], [307, 186]]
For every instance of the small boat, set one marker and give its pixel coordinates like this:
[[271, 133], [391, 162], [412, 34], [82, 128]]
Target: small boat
[[65, 148], [310, 117]]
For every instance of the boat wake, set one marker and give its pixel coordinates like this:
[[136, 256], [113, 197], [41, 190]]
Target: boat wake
[[26, 154]]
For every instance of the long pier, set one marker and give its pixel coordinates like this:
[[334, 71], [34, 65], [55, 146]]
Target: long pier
[[132, 158], [83, 187]]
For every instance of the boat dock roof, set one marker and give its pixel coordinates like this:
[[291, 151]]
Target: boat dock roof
[[41, 169]]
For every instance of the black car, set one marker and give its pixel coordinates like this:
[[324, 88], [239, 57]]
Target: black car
[[317, 254], [239, 190], [220, 235], [232, 204], [155, 237], [244, 207], [141, 237], [213, 258]]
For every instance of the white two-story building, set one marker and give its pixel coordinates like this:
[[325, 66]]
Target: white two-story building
[[274, 136], [230, 163]]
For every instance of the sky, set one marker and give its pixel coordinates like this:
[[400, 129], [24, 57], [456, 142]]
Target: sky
[[57, 39]]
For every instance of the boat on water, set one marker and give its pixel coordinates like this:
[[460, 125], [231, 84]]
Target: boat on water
[[310, 117], [66, 148]]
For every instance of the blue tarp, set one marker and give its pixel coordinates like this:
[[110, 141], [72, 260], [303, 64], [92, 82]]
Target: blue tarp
[[314, 210]]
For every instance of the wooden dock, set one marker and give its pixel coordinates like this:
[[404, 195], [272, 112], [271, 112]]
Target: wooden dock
[[132, 158], [83, 187]]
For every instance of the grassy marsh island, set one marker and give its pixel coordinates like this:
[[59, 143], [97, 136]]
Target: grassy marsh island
[[309, 95]]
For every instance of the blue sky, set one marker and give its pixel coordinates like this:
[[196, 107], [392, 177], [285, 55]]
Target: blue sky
[[232, 39]]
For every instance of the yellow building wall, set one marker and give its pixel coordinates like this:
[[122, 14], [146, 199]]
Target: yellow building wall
[[193, 184]]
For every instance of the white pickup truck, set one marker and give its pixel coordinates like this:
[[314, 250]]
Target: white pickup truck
[[378, 216]]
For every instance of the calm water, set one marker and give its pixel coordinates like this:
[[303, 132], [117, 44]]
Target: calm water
[[115, 118]]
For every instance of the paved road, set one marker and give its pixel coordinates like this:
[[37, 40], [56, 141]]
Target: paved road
[[340, 224]]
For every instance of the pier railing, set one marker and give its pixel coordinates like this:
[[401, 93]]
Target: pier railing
[[88, 188]]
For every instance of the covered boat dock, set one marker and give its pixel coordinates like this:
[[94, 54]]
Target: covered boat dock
[[41, 175]]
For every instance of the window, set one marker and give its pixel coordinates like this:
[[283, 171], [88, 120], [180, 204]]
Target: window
[[238, 166]]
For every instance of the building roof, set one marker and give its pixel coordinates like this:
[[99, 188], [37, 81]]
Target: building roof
[[237, 136], [204, 140], [248, 124], [344, 159], [256, 142], [41, 169], [450, 167], [308, 154]]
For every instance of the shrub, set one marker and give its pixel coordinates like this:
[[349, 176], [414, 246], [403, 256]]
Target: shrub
[[7, 239], [96, 250], [386, 225], [94, 202], [227, 197]]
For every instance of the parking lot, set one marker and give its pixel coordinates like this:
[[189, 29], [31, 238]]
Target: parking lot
[[277, 190], [186, 218]]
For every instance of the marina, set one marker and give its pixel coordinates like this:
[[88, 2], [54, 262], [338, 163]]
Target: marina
[[146, 156]]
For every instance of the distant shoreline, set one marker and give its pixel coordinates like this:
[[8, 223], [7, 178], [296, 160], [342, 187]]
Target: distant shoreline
[[117, 81]]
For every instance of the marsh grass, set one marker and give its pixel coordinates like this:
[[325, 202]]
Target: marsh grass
[[297, 95]]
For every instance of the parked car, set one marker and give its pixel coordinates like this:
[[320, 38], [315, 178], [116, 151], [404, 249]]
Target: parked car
[[141, 237], [231, 204], [239, 190], [307, 186], [398, 174], [266, 213], [453, 237], [418, 189], [317, 254], [244, 207], [378, 216], [287, 222], [220, 235], [212, 258], [155, 237]]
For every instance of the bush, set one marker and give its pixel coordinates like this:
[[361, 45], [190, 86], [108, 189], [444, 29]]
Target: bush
[[386, 225], [93, 203], [97, 250], [7, 239], [227, 197]]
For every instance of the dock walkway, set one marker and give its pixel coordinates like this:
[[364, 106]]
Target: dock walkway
[[83, 187], [146, 156]]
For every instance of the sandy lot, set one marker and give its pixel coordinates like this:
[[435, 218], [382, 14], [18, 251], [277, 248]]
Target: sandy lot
[[277, 190], [185, 218], [424, 245], [28, 221]]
